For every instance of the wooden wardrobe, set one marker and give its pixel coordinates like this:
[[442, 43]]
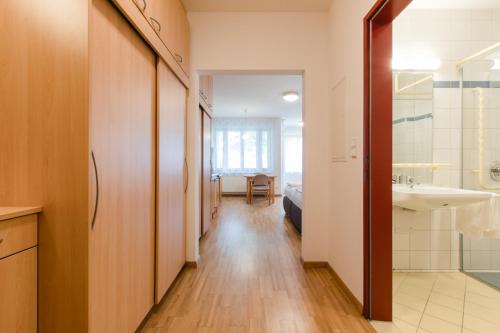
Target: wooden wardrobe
[[122, 143], [171, 180], [92, 128]]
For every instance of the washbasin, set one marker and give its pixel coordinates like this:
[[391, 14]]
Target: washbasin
[[426, 197]]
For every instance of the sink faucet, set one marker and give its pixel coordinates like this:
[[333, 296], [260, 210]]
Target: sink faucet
[[411, 182]]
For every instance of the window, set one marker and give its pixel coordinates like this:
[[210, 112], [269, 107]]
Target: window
[[234, 149], [250, 149], [265, 150], [242, 146]]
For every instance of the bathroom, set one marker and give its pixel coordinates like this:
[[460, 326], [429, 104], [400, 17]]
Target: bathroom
[[446, 167]]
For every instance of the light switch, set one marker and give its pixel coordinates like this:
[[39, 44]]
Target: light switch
[[354, 147]]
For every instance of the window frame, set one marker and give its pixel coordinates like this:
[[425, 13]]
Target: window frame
[[258, 148]]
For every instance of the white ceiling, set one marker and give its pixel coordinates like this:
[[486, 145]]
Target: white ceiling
[[260, 95], [455, 4], [256, 5]]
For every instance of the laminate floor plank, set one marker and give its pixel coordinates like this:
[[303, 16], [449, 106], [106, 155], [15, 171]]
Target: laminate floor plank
[[250, 279]]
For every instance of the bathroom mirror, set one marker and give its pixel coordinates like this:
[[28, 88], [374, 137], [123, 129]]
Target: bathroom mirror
[[412, 125]]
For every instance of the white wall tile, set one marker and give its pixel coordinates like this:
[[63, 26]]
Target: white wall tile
[[455, 260], [440, 260], [480, 244], [420, 240], [401, 260], [495, 260], [481, 14], [481, 30], [479, 260], [420, 260], [466, 260], [401, 241], [455, 240], [440, 240]]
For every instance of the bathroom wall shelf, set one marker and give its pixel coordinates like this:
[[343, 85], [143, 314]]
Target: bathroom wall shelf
[[432, 166]]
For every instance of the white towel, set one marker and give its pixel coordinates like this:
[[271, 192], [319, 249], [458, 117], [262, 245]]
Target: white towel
[[480, 220]]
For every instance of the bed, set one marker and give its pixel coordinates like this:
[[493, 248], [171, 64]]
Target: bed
[[292, 203]]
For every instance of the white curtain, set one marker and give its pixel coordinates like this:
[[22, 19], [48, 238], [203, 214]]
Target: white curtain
[[243, 145], [292, 159]]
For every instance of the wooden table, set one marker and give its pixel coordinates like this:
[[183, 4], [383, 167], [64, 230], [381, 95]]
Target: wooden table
[[250, 178]]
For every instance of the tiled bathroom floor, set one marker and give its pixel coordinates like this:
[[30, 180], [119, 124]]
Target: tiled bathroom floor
[[441, 303]]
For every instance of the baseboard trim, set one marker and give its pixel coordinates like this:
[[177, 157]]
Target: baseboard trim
[[191, 264], [314, 264], [343, 287], [346, 291]]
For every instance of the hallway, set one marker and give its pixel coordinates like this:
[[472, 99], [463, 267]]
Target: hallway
[[250, 279]]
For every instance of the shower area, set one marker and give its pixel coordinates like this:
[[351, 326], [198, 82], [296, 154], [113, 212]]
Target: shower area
[[480, 239]]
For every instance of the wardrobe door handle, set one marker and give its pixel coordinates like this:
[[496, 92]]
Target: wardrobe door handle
[[96, 204], [145, 4], [186, 175], [158, 25], [178, 57]]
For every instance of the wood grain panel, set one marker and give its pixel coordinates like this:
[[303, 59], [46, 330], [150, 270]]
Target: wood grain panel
[[44, 144], [139, 20], [170, 218], [18, 288], [7, 213], [123, 105], [169, 19], [206, 209], [18, 234]]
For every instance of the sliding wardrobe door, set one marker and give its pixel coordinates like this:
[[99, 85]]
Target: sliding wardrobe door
[[122, 125], [206, 190], [171, 181]]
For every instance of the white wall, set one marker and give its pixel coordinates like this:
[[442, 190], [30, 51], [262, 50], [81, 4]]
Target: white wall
[[286, 42], [345, 223]]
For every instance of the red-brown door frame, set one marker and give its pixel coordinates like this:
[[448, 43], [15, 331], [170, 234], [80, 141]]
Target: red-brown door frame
[[377, 199]]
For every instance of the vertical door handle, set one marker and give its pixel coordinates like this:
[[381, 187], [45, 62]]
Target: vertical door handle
[[155, 24], [144, 5], [186, 175], [96, 204]]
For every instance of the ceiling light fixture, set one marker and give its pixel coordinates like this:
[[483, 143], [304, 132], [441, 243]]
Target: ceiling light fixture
[[496, 65], [291, 96]]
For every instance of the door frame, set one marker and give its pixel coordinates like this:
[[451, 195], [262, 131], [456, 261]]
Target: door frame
[[203, 112], [377, 163]]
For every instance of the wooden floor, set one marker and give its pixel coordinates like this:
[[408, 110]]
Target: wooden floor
[[250, 279]]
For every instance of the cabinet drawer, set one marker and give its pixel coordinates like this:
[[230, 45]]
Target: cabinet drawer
[[17, 234], [18, 290]]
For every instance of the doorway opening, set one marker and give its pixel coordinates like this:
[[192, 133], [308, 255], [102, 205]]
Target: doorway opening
[[440, 85], [252, 142]]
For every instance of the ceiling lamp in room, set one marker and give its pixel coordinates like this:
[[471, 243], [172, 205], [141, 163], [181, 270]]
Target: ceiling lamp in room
[[291, 96]]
